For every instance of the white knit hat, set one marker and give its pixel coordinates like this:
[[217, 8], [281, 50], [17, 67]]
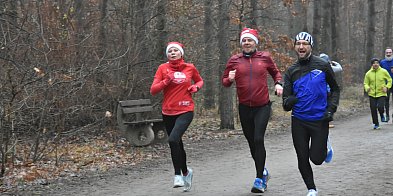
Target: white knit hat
[[251, 33], [176, 45]]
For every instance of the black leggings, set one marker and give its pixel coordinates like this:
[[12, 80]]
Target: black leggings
[[302, 132], [175, 127], [254, 122], [377, 103]]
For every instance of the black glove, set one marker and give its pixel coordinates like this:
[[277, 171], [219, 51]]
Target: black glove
[[328, 116], [290, 102]]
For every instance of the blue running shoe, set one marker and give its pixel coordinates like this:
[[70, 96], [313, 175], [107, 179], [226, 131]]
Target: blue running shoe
[[265, 177], [329, 155], [260, 185], [383, 119], [376, 127]]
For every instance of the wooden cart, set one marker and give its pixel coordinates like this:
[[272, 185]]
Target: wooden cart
[[134, 119]]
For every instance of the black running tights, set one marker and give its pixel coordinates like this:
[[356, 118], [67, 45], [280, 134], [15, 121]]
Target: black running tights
[[175, 127], [302, 133], [387, 105], [377, 104], [254, 122]]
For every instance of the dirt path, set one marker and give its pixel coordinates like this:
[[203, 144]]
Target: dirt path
[[362, 165]]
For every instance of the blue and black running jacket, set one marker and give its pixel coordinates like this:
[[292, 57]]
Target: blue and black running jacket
[[305, 89]]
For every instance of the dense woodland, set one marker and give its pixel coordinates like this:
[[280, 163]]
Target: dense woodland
[[65, 63]]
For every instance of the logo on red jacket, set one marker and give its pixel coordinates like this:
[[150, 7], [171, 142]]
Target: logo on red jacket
[[180, 77]]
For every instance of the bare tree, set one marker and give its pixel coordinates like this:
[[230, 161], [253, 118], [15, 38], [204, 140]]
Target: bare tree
[[254, 14], [334, 32], [161, 32], [209, 87], [370, 41], [317, 25], [387, 37], [226, 103], [103, 31], [326, 45]]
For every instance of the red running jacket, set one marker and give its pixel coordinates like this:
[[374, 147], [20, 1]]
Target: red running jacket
[[251, 77], [177, 99]]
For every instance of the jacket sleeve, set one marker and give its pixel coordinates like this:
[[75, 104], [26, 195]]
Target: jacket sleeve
[[196, 77], [333, 99], [273, 69], [389, 80], [366, 82], [158, 83], [287, 95], [231, 64]]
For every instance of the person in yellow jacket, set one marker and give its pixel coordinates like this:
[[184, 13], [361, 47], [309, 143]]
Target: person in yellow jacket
[[377, 82]]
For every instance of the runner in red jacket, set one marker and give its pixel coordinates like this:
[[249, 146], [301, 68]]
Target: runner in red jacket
[[178, 80], [250, 70]]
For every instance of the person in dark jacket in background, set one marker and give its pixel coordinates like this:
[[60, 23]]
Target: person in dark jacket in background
[[337, 69], [306, 94], [387, 63], [249, 71]]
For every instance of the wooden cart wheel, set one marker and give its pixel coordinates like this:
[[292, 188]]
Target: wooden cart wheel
[[160, 134], [140, 135]]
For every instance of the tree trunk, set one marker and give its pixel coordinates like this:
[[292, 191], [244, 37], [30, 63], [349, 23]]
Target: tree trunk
[[209, 80], [387, 37], [162, 34], [326, 29], [254, 14], [371, 13], [226, 103], [334, 32], [317, 25], [103, 26]]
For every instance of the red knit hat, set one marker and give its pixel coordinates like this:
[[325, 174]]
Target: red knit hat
[[177, 45], [251, 33]]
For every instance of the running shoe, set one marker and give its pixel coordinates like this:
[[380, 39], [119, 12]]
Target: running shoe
[[383, 119], [331, 125], [387, 118], [376, 127], [258, 186], [312, 192], [188, 180], [178, 181], [265, 177], [329, 154]]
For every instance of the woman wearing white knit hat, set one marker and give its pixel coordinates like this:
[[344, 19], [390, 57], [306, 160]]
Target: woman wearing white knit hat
[[178, 80]]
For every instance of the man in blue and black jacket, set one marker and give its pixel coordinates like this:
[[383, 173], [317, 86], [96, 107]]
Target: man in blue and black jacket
[[305, 93]]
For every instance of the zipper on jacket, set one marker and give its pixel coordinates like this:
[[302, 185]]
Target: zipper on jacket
[[250, 83], [375, 84]]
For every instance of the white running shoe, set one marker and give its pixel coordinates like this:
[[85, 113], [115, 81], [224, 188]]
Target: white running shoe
[[188, 180], [312, 192], [178, 181]]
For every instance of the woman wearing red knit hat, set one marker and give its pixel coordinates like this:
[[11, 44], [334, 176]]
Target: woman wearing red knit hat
[[178, 80]]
